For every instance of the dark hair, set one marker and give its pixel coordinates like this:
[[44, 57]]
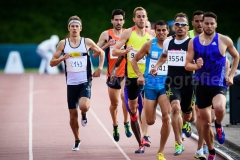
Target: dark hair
[[210, 14], [181, 15], [161, 22], [197, 12], [118, 12]]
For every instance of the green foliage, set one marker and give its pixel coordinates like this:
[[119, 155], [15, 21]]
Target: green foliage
[[27, 21]]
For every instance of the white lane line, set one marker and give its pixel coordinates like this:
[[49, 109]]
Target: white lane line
[[109, 135], [194, 136], [30, 152]]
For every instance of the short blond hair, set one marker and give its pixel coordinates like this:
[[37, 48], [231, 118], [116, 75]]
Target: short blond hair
[[138, 9]]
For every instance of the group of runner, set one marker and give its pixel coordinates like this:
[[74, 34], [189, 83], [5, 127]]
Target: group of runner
[[147, 68]]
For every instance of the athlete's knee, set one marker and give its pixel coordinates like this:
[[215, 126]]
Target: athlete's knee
[[176, 109], [122, 97], [133, 116], [150, 121], [219, 110], [166, 118], [84, 107], [114, 105]]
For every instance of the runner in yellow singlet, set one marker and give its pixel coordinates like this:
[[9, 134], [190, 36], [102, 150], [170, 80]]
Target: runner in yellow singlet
[[134, 38]]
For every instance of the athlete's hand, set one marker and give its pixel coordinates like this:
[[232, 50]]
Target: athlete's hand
[[128, 49], [97, 73], [199, 63], [229, 81], [112, 78], [66, 56], [141, 80], [153, 71], [111, 42]]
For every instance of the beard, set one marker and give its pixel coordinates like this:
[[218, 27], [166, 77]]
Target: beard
[[118, 28], [208, 33]]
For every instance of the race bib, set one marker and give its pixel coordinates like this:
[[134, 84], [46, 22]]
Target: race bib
[[76, 64], [132, 53], [162, 70], [110, 52], [176, 58]]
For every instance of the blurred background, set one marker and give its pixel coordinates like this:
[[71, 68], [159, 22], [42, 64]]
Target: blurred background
[[26, 23]]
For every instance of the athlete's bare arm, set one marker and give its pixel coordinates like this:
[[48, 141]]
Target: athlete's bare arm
[[189, 65], [93, 46], [139, 55], [117, 51], [56, 59], [235, 55]]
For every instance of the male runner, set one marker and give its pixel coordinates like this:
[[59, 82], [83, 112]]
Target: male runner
[[78, 72], [178, 84], [154, 91], [106, 41], [133, 38], [209, 52]]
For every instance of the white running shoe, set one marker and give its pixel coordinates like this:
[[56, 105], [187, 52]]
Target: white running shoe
[[199, 155], [76, 146], [84, 121]]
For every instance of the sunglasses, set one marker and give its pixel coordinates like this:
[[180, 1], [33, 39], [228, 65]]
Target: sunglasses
[[183, 24]]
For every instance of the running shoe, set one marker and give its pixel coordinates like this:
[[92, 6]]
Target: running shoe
[[187, 129], [84, 120], [146, 141], [127, 129], [199, 155], [160, 156], [205, 149], [178, 149], [116, 135], [140, 150], [76, 145], [220, 135], [212, 157], [183, 136]]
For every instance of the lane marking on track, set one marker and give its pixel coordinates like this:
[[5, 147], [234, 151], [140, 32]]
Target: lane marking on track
[[30, 152], [109, 135]]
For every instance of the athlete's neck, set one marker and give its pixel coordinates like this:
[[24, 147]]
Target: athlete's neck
[[74, 39], [117, 33], [180, 37], [160, 43], [195, 33], [208, 37], [140, 31]]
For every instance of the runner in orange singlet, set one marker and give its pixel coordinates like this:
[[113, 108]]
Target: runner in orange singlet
[[106, 41]]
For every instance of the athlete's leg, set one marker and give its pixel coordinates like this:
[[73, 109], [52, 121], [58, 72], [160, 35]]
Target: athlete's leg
[[131, 106], [113, 96], [125, 112], [219, 103], [165, 129], [176, 120], [199, 128], [205, 114], [74, 122]]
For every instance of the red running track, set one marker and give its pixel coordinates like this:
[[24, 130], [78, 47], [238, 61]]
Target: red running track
[[34, 124]]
